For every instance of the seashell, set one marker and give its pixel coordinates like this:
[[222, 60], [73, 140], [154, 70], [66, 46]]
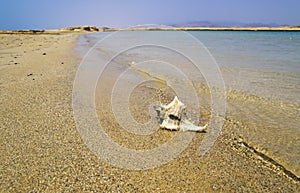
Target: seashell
[[170, 117], [186, 125]]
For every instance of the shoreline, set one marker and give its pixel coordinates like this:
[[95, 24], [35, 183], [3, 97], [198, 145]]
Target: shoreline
[[42, 151], [67, 30], [240, 98], [271, 29], [89, 29]]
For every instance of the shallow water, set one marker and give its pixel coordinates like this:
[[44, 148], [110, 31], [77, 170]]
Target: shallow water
[[261, 72], [266, 64]]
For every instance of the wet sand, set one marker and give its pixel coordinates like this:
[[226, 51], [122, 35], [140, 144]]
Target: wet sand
[[41, 150]]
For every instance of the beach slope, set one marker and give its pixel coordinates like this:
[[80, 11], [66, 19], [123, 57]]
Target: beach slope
[[41, 150]]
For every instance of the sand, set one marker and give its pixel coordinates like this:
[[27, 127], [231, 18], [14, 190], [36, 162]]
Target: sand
[[41, 149]]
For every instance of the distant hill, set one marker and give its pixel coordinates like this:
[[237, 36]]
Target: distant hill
[[225, 24]]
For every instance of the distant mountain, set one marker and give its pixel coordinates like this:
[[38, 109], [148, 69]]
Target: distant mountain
[[225, 24], [264, 25]]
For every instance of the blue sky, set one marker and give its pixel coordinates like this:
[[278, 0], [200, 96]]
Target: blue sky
[[48, 14]]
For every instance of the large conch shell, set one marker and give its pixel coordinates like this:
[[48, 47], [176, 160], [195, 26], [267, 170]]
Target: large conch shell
[[170, 117]]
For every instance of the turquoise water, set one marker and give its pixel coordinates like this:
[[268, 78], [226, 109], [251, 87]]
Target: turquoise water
[[263, 67], [266, 64]]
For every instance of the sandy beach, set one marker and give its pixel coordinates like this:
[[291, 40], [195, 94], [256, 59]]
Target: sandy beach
[[42, 151]]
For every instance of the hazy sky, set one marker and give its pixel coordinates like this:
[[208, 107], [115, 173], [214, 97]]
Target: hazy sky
[[47, 14]]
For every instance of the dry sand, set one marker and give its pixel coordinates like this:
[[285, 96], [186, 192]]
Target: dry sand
[[41, 150]]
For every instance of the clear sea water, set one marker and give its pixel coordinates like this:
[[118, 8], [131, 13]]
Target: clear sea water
[[263, 67], [266, 64]]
